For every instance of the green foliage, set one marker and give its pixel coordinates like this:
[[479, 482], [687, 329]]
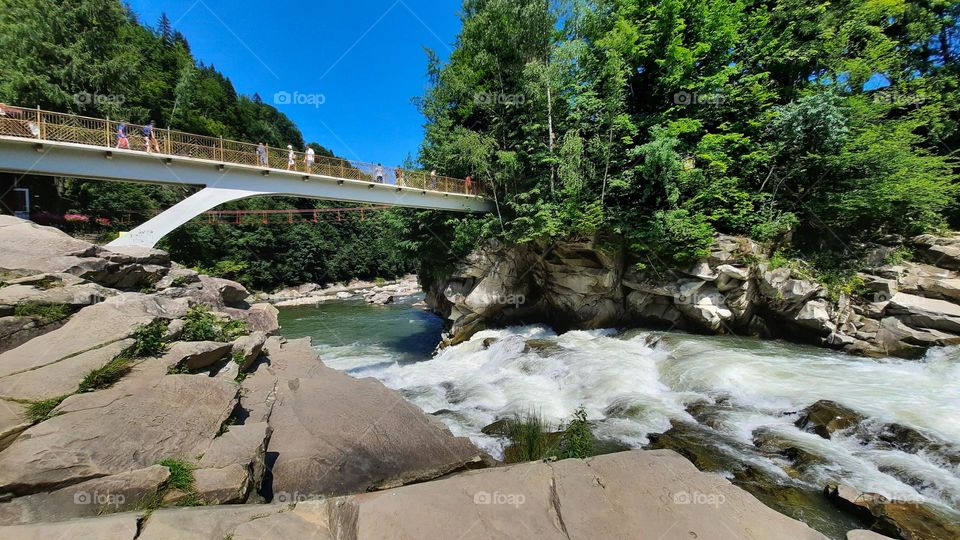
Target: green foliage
[[148, 339], [182, 479], [47, 313], [577, 439], [202, 325], [530, 438], [38, 411], [106, 375]]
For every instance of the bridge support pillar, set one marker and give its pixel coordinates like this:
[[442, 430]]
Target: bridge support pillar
[[149, 233]]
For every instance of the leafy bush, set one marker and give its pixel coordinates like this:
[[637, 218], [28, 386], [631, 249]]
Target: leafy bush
[[148, 339], [202, 325], [577, 440]]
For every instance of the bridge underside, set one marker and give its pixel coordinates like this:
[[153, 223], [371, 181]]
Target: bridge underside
[[221, 182]]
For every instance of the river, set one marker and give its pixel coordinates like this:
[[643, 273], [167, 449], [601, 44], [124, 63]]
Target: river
[[634, 383]]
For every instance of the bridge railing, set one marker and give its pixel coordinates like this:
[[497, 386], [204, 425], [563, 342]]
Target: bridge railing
[[102, 133]]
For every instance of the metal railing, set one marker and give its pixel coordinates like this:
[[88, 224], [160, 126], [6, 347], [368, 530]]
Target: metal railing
[[60, 127]]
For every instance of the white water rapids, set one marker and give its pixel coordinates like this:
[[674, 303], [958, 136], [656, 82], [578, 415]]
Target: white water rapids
[[631, 390]]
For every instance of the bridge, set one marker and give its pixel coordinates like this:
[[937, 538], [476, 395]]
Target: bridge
[[33, 141]]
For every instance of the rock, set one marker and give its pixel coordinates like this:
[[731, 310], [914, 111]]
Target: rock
[[118, 527], [107, 495], [15, 331], [783, 293], [704, 306], [130, 426], [903, 519], [898, 339], [92, 327], [205, 522], [379, 298], [259, 317], [924, 313], [244, 446], [343, 295], [910, 440], [825, 417], [815, 315], [334, 434], [71, 291], [178, 276], [542, 345], [861, 534], [227, 485], [730, 271], [939, 251], [499, 428], [702, 271], [487, 342], [249, 347], [195, 355], [59, 378], [13, 422], [638, 494]]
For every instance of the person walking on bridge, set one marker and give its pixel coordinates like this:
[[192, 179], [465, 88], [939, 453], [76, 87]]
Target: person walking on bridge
[[379, 173], [122, 141], [262, 155], [400, 180], [468, 185], [433, 179], [291, 157], [309, 160], [150, 137]]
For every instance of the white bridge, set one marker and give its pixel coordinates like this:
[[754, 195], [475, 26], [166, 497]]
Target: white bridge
[[52, 144]]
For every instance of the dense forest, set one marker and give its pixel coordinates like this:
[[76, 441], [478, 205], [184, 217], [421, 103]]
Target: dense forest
[[819, 126], [54, 51]]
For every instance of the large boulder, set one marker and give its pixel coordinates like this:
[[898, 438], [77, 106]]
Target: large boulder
[[939, 250], [900, 519], [334, 434], [920, 312], [119, 527], [59, 378]]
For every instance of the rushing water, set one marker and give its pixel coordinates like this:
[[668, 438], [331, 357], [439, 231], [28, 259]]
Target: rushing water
[[632, 389]]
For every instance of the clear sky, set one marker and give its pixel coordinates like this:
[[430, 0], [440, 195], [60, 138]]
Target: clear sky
[[353, 66]]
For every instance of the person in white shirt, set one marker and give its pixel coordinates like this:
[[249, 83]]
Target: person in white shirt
[[291, 157], [379, 173], [309, 159]]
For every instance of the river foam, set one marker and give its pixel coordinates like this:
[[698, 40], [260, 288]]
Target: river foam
[[631, 390]]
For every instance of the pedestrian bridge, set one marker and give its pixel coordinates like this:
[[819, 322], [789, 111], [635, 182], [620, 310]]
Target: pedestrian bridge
[[46, 143]]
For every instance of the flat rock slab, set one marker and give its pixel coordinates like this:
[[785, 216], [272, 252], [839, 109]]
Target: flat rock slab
[[334, 434], [637, 494], [92, 327], [107, 495], [13, 421], [130, 426], [59, 378], [118, 527]]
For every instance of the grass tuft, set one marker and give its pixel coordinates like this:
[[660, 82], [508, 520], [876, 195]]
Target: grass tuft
[[38, 411], [45, 312], [106, 375]]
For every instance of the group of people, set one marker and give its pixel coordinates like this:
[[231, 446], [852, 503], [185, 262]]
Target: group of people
[[150, 140], [152, 144]]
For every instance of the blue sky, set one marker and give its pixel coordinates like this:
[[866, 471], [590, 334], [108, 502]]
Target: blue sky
[[365, 57]]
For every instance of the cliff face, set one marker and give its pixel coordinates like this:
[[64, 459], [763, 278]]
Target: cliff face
[[899, 309]]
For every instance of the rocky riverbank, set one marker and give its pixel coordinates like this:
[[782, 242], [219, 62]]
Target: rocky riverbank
[[134, 387], [892, 308], [307, 294]]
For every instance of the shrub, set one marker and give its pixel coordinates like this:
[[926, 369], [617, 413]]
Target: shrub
[[530, 438], [148, 339], [577, 440], [181, 479], [202, 325]]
